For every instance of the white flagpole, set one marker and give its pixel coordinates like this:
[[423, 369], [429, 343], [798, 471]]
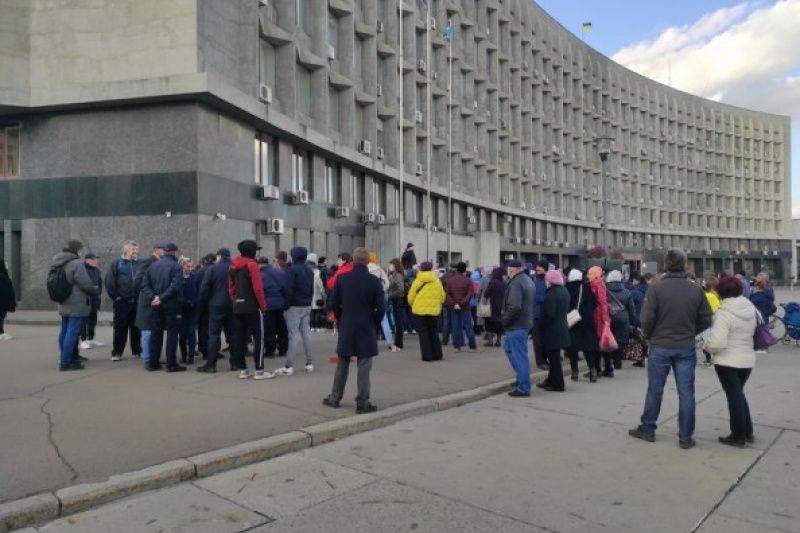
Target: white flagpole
[[450, 33], [401, 155], [430, 134]]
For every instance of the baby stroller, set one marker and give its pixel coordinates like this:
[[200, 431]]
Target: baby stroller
[[791, 319]]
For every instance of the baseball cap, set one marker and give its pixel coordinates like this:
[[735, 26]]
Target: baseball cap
[[91, 255], [170, 247], [224, 252]]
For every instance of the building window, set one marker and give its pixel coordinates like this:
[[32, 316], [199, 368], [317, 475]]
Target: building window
[[333, 182], [267, 63], [357, 191], [303, 90], [302, 14], [334, 121], [263, 159], [333, 30], [301, 166], [9, 150]]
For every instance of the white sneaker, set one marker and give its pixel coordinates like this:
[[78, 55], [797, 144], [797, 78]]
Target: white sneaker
[[97, 344], [309, 367], [244, 374], [116, 358], [86, 345], [284, 371], [263, 374], [5, 337]]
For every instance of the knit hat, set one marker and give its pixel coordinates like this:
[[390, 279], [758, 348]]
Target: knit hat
[[544, 264], [514, 263], [575, 275], [554, 277], [224, 252], [311, 258], [426, 266], [614, 275], [91, 255], [373, 257]]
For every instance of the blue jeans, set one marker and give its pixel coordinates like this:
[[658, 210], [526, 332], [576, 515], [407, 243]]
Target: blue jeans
[[683, 362], [145, 347], [515, 343], [387, 330], [68, 337], [460, 321]]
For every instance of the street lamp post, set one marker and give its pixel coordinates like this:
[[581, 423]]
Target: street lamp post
[[604, 148]]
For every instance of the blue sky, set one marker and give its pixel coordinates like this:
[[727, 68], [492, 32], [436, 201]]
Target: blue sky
[[738, 52]]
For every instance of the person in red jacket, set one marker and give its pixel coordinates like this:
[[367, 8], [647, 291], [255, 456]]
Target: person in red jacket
[[459, 291], [247, 292]]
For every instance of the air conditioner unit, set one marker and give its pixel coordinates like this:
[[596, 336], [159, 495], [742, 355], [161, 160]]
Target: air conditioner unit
[[269, 192], [472, 219], [265, 93], [503, 124], [341, 212], [522, 205], [379, 90], [434, 229], [380, 219], [544, 210], [509, 218], [475, 149], [556, 243], [526, 241], [434, 75], [419, 169], [544, 177], [418, 117], [475, 104], [365, 147], [300, 197], [331, 52], [548, 243], [433, 23], [422, 66], [524, 171], [369, 218], [380, 153], [272, 226], [504, 200], [379, 26]]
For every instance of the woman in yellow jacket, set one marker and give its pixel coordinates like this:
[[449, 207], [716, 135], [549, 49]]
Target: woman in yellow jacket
[[426, 297], [710, 286]]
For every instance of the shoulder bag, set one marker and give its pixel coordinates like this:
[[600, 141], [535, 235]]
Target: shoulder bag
[[763, 337], [574, 316]]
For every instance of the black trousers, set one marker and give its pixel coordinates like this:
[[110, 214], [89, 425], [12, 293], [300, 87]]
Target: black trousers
[[219, 320], [732, 381], [89, 324], [124, 327], [428, 333], [202, 331], [248, 325], [538, 347], [276, 336], [2, 322], [399, 320], [555, 375], [169, 320]]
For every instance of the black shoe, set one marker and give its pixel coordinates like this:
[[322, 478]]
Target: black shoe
[[364, 408], [519, 394], [514, 384], [207, 369], [176, 368], [554, 389], [638, 363], [608, 373], [543, 366], [593, 376], [637, 433], [270, 355], [233, 369], [686, 444], [750, 438], [574, 376], [542, 385], [72, 366], [330, 402], [81, 358], [183, 359], [730, 441], [155, 367], [617, 365]]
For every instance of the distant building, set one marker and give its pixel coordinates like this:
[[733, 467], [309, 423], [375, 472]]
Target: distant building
[[208, 121]]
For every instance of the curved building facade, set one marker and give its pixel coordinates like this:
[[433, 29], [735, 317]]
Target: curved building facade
[[473, 129]]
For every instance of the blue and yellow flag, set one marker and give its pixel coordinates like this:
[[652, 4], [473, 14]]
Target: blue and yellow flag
[[586, 26]]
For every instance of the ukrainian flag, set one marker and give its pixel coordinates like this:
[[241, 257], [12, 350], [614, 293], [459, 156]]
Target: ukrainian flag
[[586, 26]]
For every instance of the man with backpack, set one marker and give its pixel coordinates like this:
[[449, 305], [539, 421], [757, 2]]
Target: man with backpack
[[69, 284]]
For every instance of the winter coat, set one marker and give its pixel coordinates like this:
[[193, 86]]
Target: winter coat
[[541, 289], [622, 322], [731, 339], [358, 303], [143, 309], [397, 290], [408, 259], [244, 286], [274, 282], [318, 300], [78, 303], [299, 280], [97, 279], [378, 272], [638, 293], [583, 335], [764, 302], [164, 279], [214, 289], [675, 310], [494, 293], [191, 292], [554, 327], [426, 295], [517, 311], [120, 279], [601, 316], [342, 270], [8, 298], [459, 290]]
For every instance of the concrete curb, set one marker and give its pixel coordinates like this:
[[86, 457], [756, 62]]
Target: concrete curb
[[46, 507]]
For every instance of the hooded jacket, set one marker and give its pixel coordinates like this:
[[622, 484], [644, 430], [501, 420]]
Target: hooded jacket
[[378, 272], [299, 279], [426, 295], [245, 287], [214, 287], [78, 303], [344, 269], [274, 281], [731, 338]]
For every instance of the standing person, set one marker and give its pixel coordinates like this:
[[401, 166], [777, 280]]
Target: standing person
[[494, 293], [318, 305], [459, 291], [539, 272], [731, 342], [122, 289], [344, 264], [397, 299], [710, 286], [425, 297], [89, 325], [276, 337], [299, 291], [555, 330], [8, 300], [324, 270], [409, 258], [247, 293], [162, 286], [376, 270], [638, 290], [741, 275], [202, 310], [517, 321], [447, 315], [602, 319], [77, 306], [214, 296], [763, 298], [583, 335], [143, 308], [359, 304], [675, 311], [187, 339], [623, 319]]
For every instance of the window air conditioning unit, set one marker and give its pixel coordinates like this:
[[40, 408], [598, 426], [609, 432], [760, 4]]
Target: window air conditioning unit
[[341, 212], [265, 93], [475, 104], [379, 26], [379, 219], [263, 3], [300, 197], [369, 218], [434, 75], [526, 241], [331, 52], [524, 171], [548, 243], [269, 192], [544, 210], [509, 218], [422, 66], [523, 205], [418, 117], [419, 169], [272, 226], [433, 23], [503, 124], [472, 219], [365, 147], [379, 90], [504, 200], [380, 153]]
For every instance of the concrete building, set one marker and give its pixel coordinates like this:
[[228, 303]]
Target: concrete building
[[306, 122]]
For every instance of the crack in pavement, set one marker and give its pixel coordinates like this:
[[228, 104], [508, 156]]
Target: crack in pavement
[[53, 443]]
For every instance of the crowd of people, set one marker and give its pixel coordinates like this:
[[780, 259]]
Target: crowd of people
[[268, 308]]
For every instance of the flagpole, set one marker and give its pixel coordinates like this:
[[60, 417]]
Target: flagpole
[[449, 144], [430, 133], [400, 122]]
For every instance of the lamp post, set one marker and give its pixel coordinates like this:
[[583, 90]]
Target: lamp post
[[604, 148]]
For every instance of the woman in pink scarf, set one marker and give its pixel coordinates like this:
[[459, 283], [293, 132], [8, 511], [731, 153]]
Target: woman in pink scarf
[[601, 318]]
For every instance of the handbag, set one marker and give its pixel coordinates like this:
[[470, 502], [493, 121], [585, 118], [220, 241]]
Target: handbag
[[607, 341], [484, 309], [634, 351], [574, 316], [763, 337]]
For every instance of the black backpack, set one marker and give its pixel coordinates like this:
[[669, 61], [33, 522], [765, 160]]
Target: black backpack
[[58, 286]]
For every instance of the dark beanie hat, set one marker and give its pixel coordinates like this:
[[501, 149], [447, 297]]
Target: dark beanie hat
[[248, 248], [544, 264], [461, 267], [426, 266]]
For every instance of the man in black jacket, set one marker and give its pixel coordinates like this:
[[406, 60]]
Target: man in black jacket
[[143, 308], [162, 286], [120, 287], [214, 295]]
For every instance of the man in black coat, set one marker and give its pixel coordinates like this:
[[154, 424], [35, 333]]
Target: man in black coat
[[121, 288], [358, 303], [214, 295], [162, 286]]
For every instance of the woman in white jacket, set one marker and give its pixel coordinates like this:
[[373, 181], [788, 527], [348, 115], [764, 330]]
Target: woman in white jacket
[[731, 345]]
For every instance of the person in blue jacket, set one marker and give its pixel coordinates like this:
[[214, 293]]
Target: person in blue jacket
[[276, 336], [540, 270], [214, 296], [187, 340]]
